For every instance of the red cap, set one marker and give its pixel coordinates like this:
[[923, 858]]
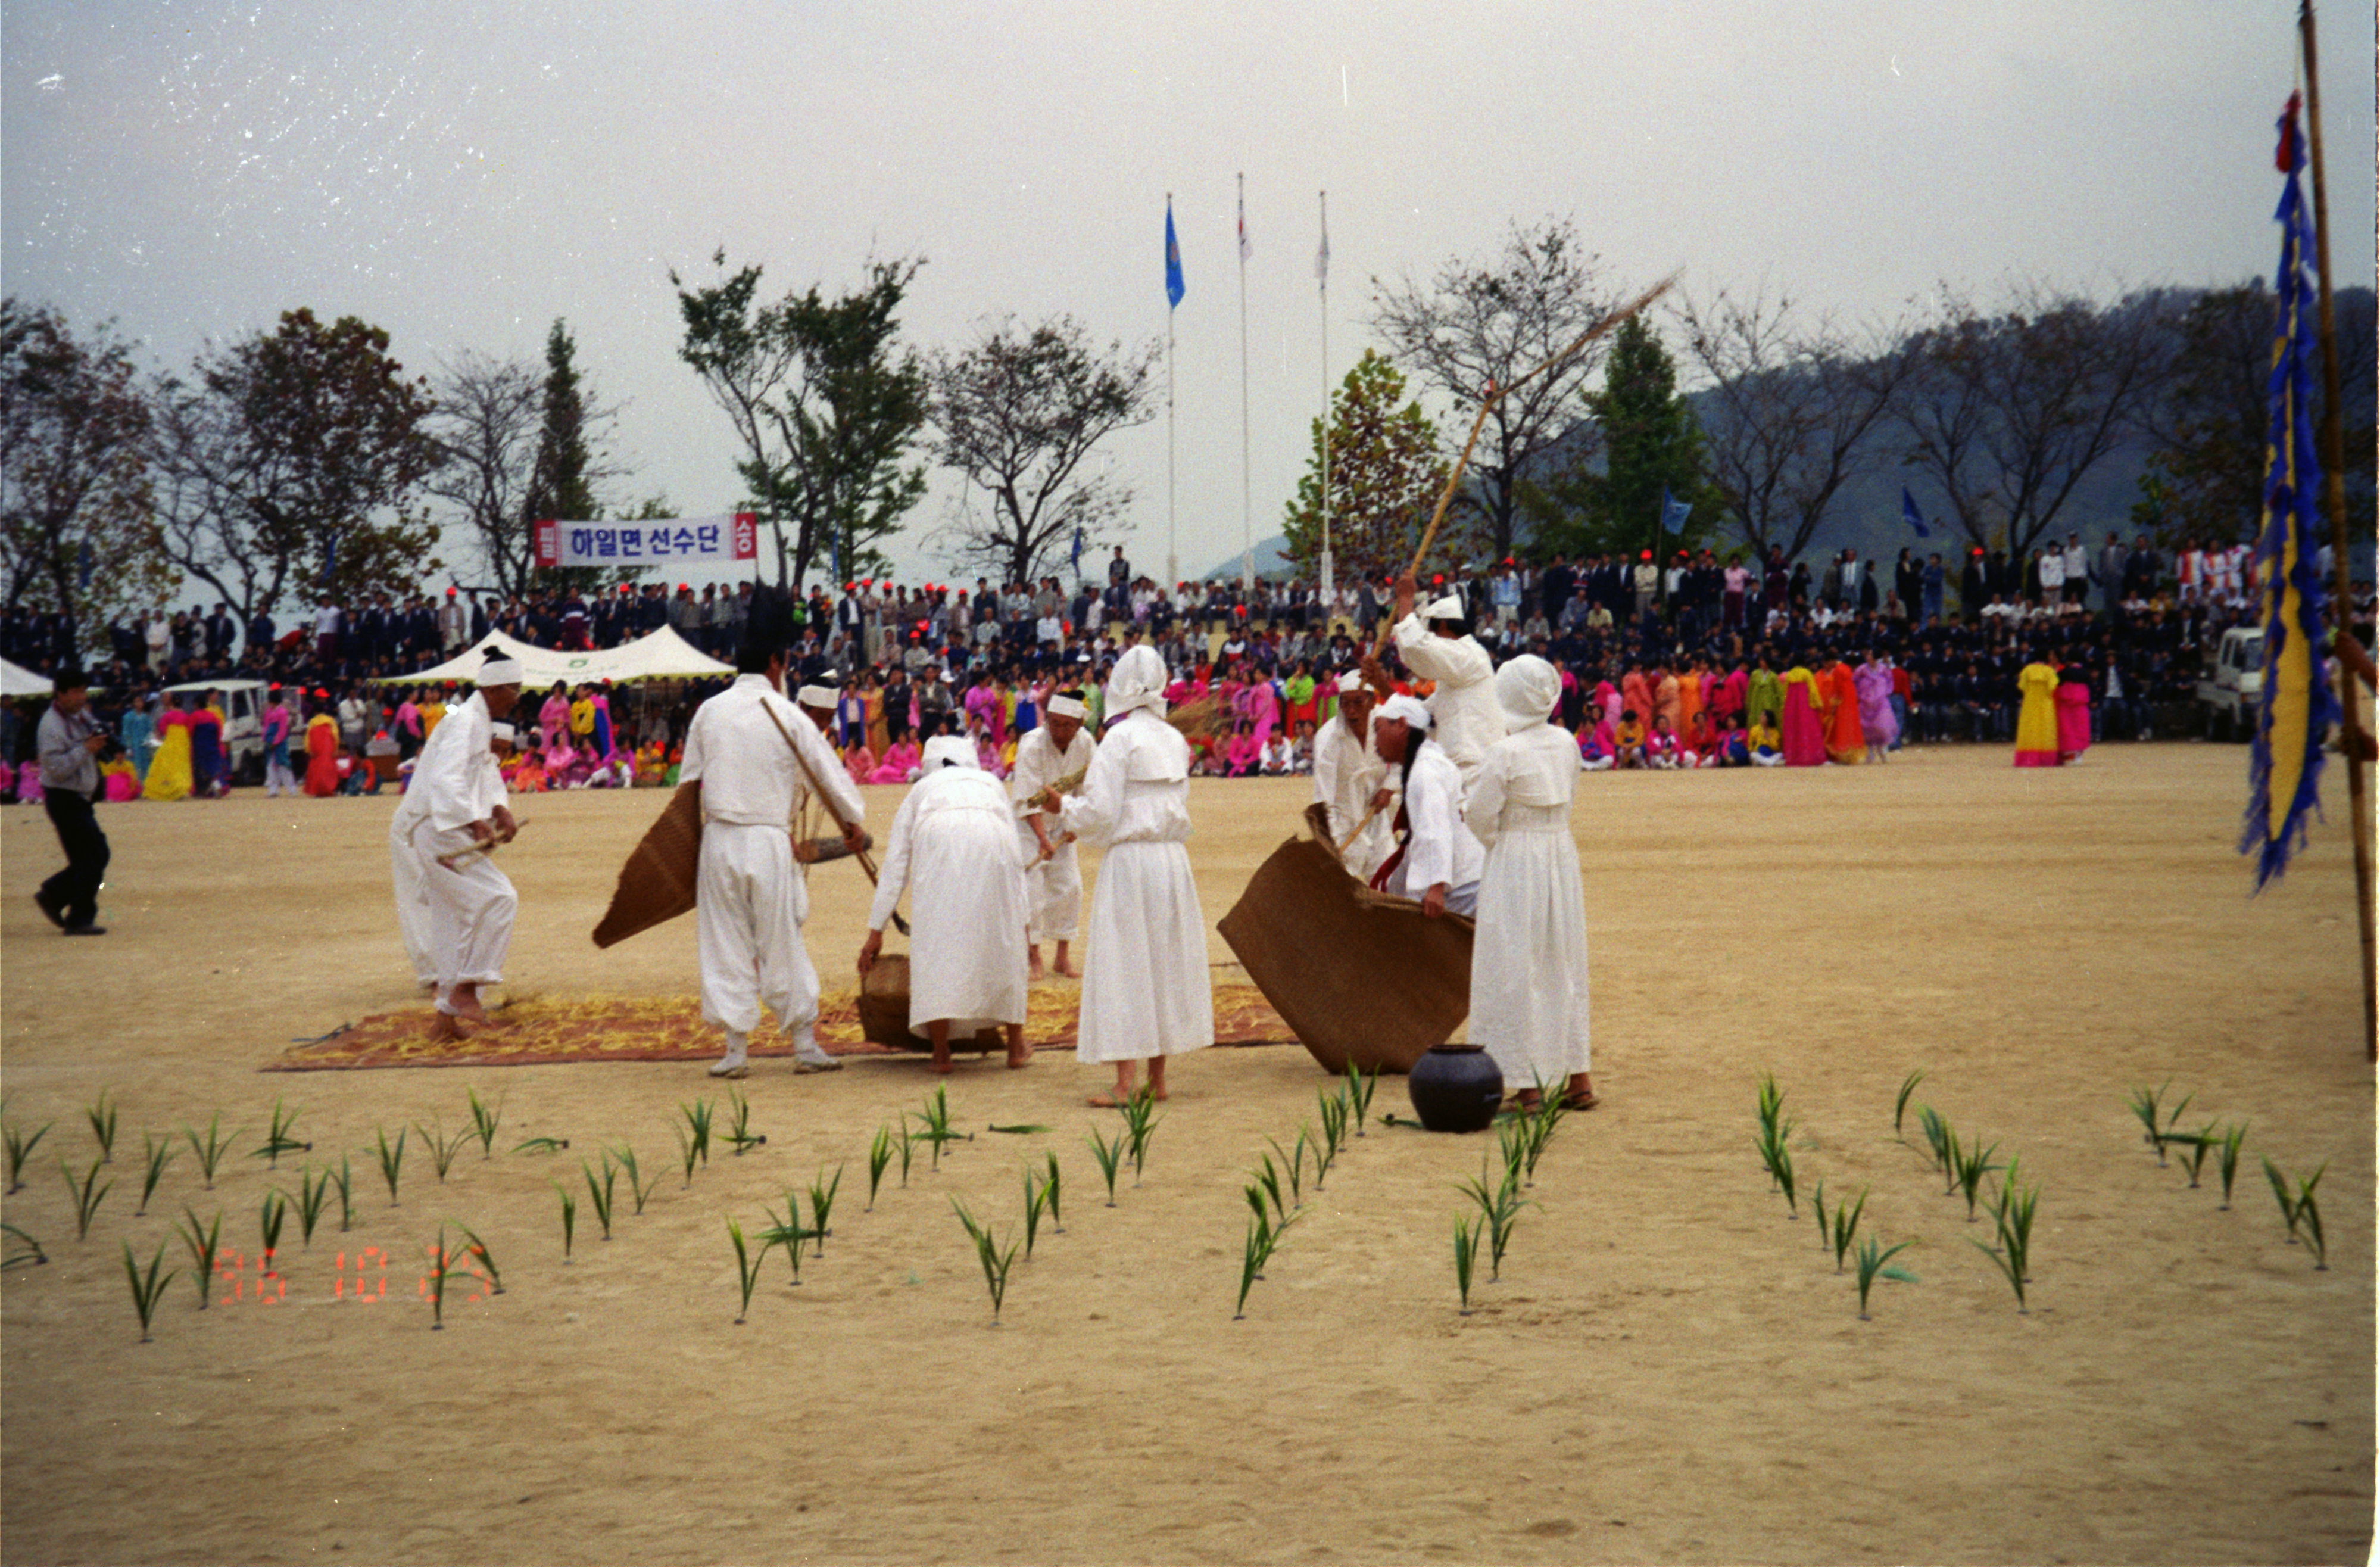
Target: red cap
[[275, 686], [1436, 581], [1645, 556], [450, 592], [320, 692], [627, 588], [1976, 551], [685, 587]]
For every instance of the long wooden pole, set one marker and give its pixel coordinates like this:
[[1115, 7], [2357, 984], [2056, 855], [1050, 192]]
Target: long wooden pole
[[2334, 497]]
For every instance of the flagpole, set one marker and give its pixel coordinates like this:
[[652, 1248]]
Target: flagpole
[[1173, 560], [1322, 274], [2351, 705], [1248, 490]]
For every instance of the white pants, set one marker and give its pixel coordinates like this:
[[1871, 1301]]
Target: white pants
[[748, 921], [471, 909], [1771, 760], [278, 779], [414, 921], [1054, 894]]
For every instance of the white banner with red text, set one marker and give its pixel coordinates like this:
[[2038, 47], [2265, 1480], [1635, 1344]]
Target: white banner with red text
[[665, 540]]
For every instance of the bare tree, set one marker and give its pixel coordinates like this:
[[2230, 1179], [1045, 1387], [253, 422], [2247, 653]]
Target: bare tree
[[1792, 410], [1018, 413], [1477, 324], [2008, 412]]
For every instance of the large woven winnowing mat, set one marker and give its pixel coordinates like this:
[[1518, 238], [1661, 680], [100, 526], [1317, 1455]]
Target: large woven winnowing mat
[[657, 882], [1356, 976]]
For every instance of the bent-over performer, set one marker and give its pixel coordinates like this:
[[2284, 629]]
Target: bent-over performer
[[1438, 862], [1054, 751], [471, 902]]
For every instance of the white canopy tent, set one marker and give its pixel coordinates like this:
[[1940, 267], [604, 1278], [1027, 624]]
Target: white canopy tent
[[662, 655], [17, 681]]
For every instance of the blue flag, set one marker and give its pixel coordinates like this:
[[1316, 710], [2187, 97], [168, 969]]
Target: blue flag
[[1674, 513], [1078, 549], [1174, 288], [1909, 513], [2296, 707]]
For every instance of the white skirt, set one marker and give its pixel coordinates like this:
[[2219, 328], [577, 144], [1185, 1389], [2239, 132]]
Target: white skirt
[[1145, 986], [1528, 960]]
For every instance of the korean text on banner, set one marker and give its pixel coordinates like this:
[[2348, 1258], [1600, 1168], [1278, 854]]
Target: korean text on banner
[[673, 541]]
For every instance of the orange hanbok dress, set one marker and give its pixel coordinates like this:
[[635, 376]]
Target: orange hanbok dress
[[1846, 739]]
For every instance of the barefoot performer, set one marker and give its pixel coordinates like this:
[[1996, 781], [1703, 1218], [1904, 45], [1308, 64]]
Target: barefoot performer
[[1048, 755], [955, 841], [750, 900], [471, 902], [413, 916], [1145, 989]]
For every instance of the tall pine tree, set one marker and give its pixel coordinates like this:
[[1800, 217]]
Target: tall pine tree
[[1386, 472], [1651, 443]]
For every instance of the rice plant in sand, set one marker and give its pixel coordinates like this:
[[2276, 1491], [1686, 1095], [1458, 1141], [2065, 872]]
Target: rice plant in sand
[[271, 1217], [1037, 1203], [569, 1217], [1360, 1085], [88, 1195], [995, 1258], [346, 1189], [1780, 1170], [101, 1114], [1109, 1156], [1970, 1165], [600, 1192], [639, 1187], [155, 1154], [1053, 1188], [24, 1252], [20, 1149], [391, 1159], [203, 1242], [821, 1195], [788, 1232], [147, 1289], [879, 1157], [442, 1148], [2226, 1163], [907, 1147], [1467, 1256], [2299, 1211], [698, 1134], [1268, 1186], [1500, 1212], [1840, 1226], [1263, 1239], [313, 1191], [934, 1124], [1140, 1119], [211, 1151], [278, 1141], [478, 1249], [2196, 1146], [542, 1145], [1775, 1125], [1332, 1108], [747, 1271], [1022, 1130], [740, 1133], [2157, 1126], [1293, 1165], [1875, 1262], [442, 1264], [1943, 1143], [485, 1121], [1901, 1105]]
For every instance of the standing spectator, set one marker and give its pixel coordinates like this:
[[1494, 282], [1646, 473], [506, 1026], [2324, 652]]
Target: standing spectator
[[69, 741]]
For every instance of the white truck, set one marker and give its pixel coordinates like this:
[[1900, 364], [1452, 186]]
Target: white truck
[[2230, 690], [244, 702]]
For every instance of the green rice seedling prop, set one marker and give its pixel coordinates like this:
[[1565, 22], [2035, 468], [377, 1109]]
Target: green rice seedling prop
[[1053, 1188], [1782, 1173], [2282, 1194], [278, 1141], [569, 1217], [147, 1289], [1360, 1085], [639, 1187], [1875, 1262], [346, 1193], [748, 1270], [684, 1153], [1251, 1261], [313, 1191], [2014, 1214], [934, 1123], [1268, 1186], [598, 1194], [1540, 1125], [1840, 1226], [2198, 1144], [478, 1248], [1332, 1110], [2226, 1163], [485, 1121], [210, 1152], [1293, 1166], [1037, 1202], [739, 1131], [1467, 1256], [101, 1116], [1323, 1153], [1109, 1156], [1499, 1211], [542, 1145], [822, 1194], [155, 1154], [442, 1148], [1140, 1119], [391, 1159], [2299, 1211], [1770, 1107], [25, 1251], [88, 1195], [1943, 1143], [442, 1263], [2012, 1268], [879, 1157], [2144, 1101], [270, 1219], [20, 1149], [1901, 1105], [1971, 1164], [1018, 1131], [698, 1127], [906, 1148], [996, 1259], [203, 1243], [788, 1232]]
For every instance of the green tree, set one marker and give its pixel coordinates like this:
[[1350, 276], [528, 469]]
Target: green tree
[[76, 523], [1386, 474], [291, 466], [1650, 442], [824, 403]]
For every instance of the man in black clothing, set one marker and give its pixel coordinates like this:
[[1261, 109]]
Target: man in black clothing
[[71, 741]]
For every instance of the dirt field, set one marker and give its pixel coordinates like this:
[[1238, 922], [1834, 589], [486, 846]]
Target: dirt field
[[1670, 1370]]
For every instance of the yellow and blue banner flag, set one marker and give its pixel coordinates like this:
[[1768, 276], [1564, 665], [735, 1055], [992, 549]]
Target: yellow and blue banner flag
[[2296, 706]]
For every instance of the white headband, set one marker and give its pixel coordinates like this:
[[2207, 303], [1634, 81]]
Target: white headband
[[946, 751], [1448, 608], [1067, 707], [504, 732], [1405, 710], [501, 671], [818, 696], [1352, 682]]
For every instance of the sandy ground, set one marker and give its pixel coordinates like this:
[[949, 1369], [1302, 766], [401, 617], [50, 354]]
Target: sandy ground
[[1670, 1369]]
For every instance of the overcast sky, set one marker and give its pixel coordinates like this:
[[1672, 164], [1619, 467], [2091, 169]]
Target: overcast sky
[[463, 173]]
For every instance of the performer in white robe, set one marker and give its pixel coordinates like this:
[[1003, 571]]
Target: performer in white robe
[[750, 898], [953, 844], [1528, 962], [1056, 750], [413, 917], [1439, 863], [1146, 994], [1465, 720], [1348, 777], [471, 903]]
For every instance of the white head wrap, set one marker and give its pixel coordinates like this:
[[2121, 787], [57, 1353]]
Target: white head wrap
[[1449, 608], [1404, 710], [504, 732], [1526, 688], [818, 696], [1138, 680], [1067, 707], [502, 670], [947, 750], [1351, 682]]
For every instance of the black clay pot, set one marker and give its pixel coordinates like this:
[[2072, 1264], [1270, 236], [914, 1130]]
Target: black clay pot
[[1456, 1089]]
